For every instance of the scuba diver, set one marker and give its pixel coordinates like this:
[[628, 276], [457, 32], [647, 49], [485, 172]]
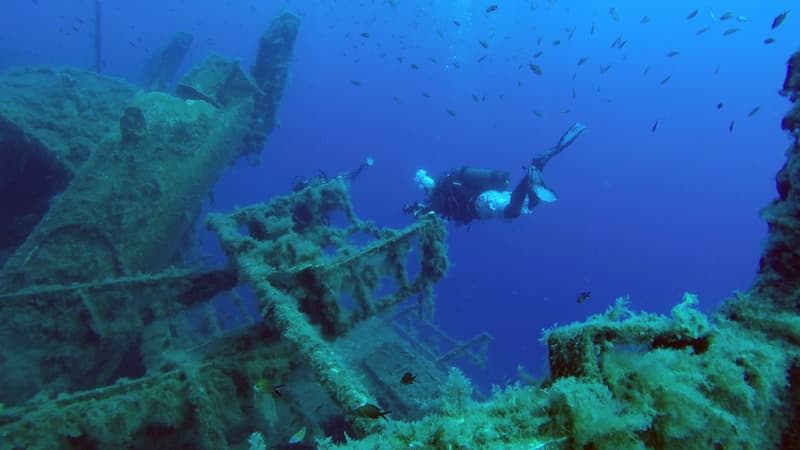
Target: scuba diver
[[470, 193]]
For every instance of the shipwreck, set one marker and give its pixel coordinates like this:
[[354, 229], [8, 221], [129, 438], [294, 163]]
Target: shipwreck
[[110, 340]]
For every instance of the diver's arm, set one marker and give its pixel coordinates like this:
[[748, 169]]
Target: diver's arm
[[540, 160]]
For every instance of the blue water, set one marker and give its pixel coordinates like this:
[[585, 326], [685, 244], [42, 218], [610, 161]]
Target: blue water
[[645, 214]]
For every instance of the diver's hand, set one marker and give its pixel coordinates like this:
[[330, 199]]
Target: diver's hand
[[571, 134]]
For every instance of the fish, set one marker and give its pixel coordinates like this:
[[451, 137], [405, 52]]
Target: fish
[[646, 70], [583, 60], [592, 31], [666, 80], [426, 94], [537, 113], [263, 386], [730, 127], [535, 68], [456, 23], [573, 93], [702, 30], [298, 436], [753, 111], [414, 66], [371, 411], [571, 33], [364, 35], [769, 40], [537, 54], [727, 16], [673, 53], [557, 42], [475, 98], [692, 15], [480, 60], [408, 378], [778, 20], [614, 15], [583, 296], [491, 8], [622, 44], [742, 19], [730, 31], [484, 44], [355, 83], [451, 112], [645, 20], [604, 69], [720, 105]]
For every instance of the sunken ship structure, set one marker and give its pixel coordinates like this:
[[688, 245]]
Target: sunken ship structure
[[111, 339]]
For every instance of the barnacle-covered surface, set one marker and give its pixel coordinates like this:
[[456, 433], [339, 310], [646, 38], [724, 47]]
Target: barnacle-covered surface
[[282, 255], [196, 388]]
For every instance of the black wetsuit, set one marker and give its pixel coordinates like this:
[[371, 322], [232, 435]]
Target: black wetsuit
[[454, 194]]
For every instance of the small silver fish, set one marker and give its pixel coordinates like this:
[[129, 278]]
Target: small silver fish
[[298, 436]]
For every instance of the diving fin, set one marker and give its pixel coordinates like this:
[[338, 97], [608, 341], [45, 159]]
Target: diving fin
[[537, 187], [571, 134], [544, 194]]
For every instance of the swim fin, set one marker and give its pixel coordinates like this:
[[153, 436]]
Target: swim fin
[[537, 187], [545, 194], [570, 135]]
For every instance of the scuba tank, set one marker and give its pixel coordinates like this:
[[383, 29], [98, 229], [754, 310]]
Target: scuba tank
[[476, 180]]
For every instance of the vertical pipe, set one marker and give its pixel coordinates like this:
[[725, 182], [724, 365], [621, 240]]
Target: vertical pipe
[[98, 58]]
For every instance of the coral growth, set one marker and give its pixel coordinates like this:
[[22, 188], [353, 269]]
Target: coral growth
[[645, 392]]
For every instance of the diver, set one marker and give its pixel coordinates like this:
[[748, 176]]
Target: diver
[[468, 193]]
